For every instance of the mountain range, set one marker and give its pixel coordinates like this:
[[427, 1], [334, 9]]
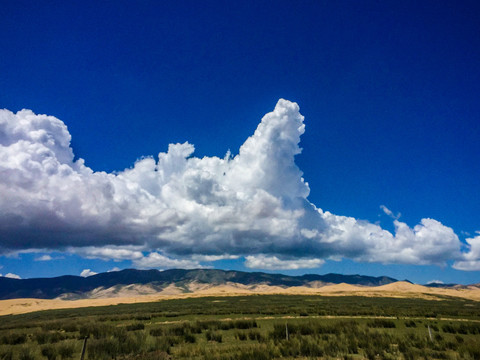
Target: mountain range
[[75, 287]]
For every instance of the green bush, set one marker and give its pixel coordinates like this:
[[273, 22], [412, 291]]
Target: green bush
[[240, 335], [189, 338], [213, 336], [255, 335], [13, 339], [6, 354], [100, 349], [381, 323], [156, 332], [50, 352], [66, 350], [244, 324], [26, 353], [136, 326]]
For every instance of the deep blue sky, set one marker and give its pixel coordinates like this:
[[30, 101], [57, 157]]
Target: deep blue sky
[[389, 91]]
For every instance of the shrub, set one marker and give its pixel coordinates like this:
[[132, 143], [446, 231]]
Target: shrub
[[51, 325], [6, 355], [156, 332], [50, 352], [13, 339], [244, 324], [132, 343], [99, 349], [381, 323], [255, 335], [310, 348], [26, 354], [70, 327], [209, 324], [257, 352], [226, 325], [163, 345], [177, 330], [189, 338], [172, 314], [242, 336], [212, 336], [449, 328], [136, 326], [66, 351]]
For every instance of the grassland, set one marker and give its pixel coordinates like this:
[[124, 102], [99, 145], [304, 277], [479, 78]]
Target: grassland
[[251, 327]]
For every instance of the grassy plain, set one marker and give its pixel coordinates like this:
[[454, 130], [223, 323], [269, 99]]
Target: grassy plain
[[251, 327]]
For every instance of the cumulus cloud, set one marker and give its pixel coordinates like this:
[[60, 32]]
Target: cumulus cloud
[[87, 273], [12, 276], [156, 260], [274, 263], [177, 210], [470, 260]]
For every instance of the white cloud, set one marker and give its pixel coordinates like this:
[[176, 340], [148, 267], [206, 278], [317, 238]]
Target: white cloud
[[156, 260], [117, 253], [114, 269], [87, 273], [47, 257], [435, 282], [44, 258], [390, 213], [210, 258], [12, 276], [274, 263], [180, 210], [470, 260]]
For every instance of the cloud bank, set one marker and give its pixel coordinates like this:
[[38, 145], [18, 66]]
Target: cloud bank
[[178, 210]]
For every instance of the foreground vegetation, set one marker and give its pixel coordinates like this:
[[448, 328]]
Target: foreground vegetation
[[251, 327]]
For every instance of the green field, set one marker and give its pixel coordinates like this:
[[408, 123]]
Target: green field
[[251, 327]]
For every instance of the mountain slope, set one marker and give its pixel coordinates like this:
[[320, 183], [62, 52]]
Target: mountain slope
[[49, 288]]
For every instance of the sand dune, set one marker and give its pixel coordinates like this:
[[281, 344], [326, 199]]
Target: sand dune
[[21, 306], [404, 286], [144, 293], [341, 288]]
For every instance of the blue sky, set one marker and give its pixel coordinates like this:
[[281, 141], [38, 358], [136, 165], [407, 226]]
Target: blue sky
[[388, 91]]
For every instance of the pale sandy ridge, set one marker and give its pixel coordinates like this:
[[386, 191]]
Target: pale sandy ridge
[[142, 293]]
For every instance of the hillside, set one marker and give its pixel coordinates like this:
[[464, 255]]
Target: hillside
[[74, 287]]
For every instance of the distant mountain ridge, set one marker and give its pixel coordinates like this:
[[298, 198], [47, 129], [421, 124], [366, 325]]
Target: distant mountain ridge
[[49, 288]]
